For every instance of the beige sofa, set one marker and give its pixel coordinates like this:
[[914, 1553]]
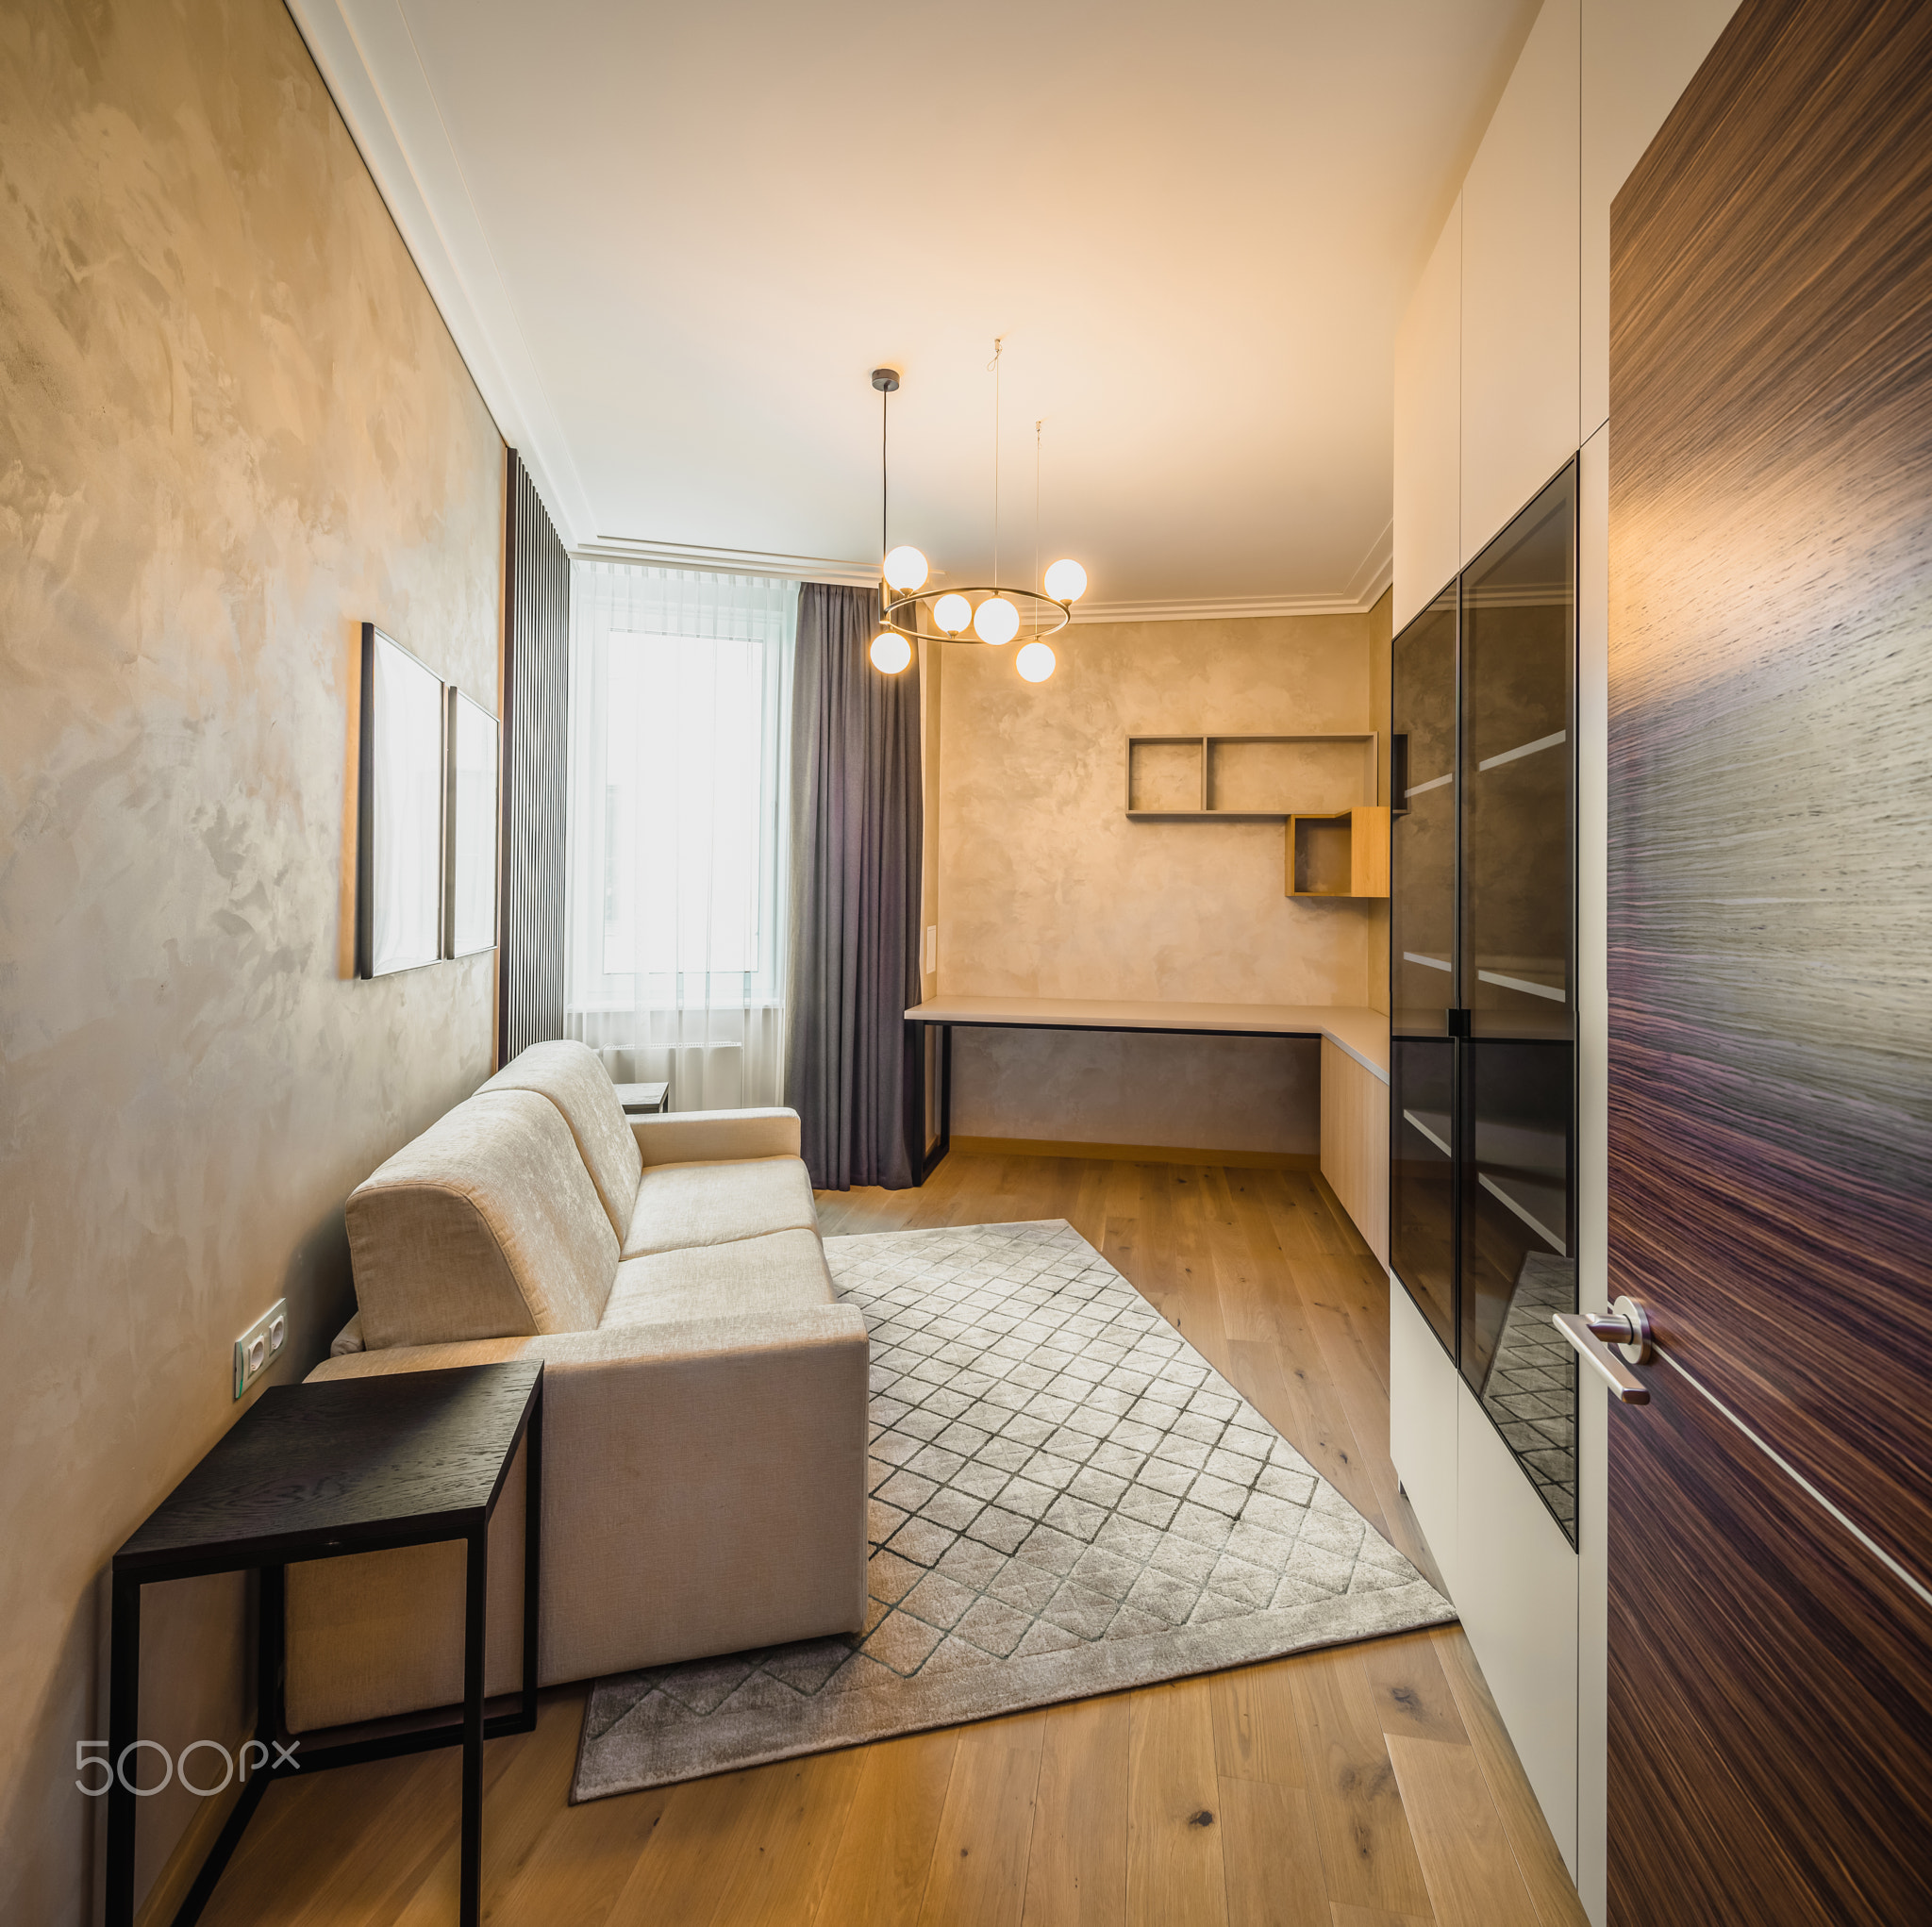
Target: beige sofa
[[705, 1394]]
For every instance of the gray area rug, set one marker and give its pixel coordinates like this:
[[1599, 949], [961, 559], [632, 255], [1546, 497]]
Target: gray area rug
[[1067, 1500]]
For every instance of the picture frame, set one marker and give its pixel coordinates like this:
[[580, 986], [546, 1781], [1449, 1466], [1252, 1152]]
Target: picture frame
[[401, 795], [470, 800]]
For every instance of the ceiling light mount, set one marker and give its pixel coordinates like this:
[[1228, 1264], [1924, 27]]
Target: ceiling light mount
[[996, 619]]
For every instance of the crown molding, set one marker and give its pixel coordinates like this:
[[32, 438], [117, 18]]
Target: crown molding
[[399, 130], [1373, 575], [727, 561], [1214, 610]]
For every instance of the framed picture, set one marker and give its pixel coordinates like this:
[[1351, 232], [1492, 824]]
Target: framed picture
[[469, 913], [399, 841]]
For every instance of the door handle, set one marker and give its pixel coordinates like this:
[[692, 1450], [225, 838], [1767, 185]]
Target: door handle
[[1625, 1326]]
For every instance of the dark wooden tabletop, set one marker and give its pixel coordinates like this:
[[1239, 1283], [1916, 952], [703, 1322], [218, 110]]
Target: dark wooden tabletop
[[310, 1463]]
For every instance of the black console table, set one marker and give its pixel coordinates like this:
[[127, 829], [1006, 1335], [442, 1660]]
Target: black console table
[[317, 1471]]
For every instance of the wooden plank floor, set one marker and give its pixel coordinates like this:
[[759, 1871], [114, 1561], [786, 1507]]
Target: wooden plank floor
[[1366, 1786]]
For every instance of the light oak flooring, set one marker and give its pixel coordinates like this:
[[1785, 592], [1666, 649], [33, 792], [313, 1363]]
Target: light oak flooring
[[1365, 1786]]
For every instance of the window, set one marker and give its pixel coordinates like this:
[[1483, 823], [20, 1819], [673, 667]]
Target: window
[[681, 700]]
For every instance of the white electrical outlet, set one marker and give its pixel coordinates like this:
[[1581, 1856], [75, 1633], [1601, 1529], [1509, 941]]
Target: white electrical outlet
[[932, 947], [260, 1345]]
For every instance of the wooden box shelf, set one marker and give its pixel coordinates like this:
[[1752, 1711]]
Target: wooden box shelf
[[1344, 855], [1246, 778]]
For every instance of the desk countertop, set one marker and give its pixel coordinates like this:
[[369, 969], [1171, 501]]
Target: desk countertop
[[1351, 1028]]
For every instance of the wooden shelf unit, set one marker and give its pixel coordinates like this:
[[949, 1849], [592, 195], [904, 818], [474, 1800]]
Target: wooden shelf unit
[[1217, 777], [1344, 855]]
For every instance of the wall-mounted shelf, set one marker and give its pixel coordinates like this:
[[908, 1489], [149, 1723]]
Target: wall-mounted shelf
[[1345, 854], [1248, 779]]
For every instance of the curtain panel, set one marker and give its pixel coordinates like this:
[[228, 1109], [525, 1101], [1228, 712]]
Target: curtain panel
[[852, 1069], [681, 700], [535, 797]]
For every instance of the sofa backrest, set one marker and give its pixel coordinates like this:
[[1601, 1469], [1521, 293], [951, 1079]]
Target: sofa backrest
[[486, 1226], [572, 1077]]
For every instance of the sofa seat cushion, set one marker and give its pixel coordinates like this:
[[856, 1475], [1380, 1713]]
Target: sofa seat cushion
[[783, 1271], [683, 1204]]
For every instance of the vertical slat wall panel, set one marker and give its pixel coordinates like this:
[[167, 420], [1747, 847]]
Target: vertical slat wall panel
[[536, 696]]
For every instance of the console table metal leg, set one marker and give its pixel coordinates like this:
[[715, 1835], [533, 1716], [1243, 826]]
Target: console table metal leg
[[476, 1588], [929, 1160], [255, 1774], [533, 1531], [123, 1728], [270, 1687]]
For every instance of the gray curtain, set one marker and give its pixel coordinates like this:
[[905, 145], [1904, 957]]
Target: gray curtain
[[852, 1067], [536, 801]]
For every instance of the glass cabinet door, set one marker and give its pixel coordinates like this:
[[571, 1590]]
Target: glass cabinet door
[[1519, 756], [1516, 1208], [1422, 988]]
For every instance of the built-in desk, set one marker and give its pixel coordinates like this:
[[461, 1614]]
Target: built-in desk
[[1355, 1070]]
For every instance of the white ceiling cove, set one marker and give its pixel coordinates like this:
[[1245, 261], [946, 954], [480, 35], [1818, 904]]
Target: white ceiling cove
[[671, 243]]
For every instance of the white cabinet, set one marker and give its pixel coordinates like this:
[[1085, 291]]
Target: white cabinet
[[1508, 1566], [1521, 246], [1428, 427], [1517, 1592], [1421, 1427]]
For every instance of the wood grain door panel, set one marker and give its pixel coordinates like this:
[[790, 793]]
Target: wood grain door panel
[[1768, 1688], [1771, 891], [1770, 923]]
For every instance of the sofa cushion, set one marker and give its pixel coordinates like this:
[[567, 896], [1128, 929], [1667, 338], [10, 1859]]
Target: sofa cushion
[[714, 1137], [683, 1204], [783, 1271], [572, 1076], [486, 1226]]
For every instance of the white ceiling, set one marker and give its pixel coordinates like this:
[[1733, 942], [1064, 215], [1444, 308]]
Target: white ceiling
[[672, 244]]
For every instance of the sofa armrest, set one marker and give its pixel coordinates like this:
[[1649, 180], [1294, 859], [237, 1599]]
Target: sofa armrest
[[715, 1137], [704, 1482]]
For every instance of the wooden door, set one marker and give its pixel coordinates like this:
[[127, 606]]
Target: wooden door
[[1770, 954]]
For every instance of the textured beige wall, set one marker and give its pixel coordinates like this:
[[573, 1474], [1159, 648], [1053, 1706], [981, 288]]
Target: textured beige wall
[[232, 426], [1046, 889]]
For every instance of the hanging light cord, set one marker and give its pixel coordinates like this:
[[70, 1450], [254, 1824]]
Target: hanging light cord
[[1037, 426], [994, 365], [885, 398]]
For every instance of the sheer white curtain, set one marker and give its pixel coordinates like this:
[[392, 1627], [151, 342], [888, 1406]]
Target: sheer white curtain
[[679, 718]]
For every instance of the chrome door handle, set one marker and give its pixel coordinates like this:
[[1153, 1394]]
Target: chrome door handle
[[1627, 1327]]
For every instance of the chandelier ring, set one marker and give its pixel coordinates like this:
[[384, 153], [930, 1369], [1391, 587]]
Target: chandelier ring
[[1063, 614]]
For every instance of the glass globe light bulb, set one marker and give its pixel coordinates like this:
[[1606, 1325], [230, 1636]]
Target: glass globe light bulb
[[996, 620], [951, 612], [890, 653], [1066, 581], [906, 570], [1035, 663]]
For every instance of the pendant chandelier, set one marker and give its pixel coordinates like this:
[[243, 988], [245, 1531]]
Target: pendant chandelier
[[997, 619]]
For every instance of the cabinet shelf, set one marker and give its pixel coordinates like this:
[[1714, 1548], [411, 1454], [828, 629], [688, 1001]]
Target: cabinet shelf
[[1522, 750]]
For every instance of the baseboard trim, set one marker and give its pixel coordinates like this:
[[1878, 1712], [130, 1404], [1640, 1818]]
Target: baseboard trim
[[1138, 1153]]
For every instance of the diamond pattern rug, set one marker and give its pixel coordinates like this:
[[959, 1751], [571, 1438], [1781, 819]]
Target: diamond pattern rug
[[1066, 1499]]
